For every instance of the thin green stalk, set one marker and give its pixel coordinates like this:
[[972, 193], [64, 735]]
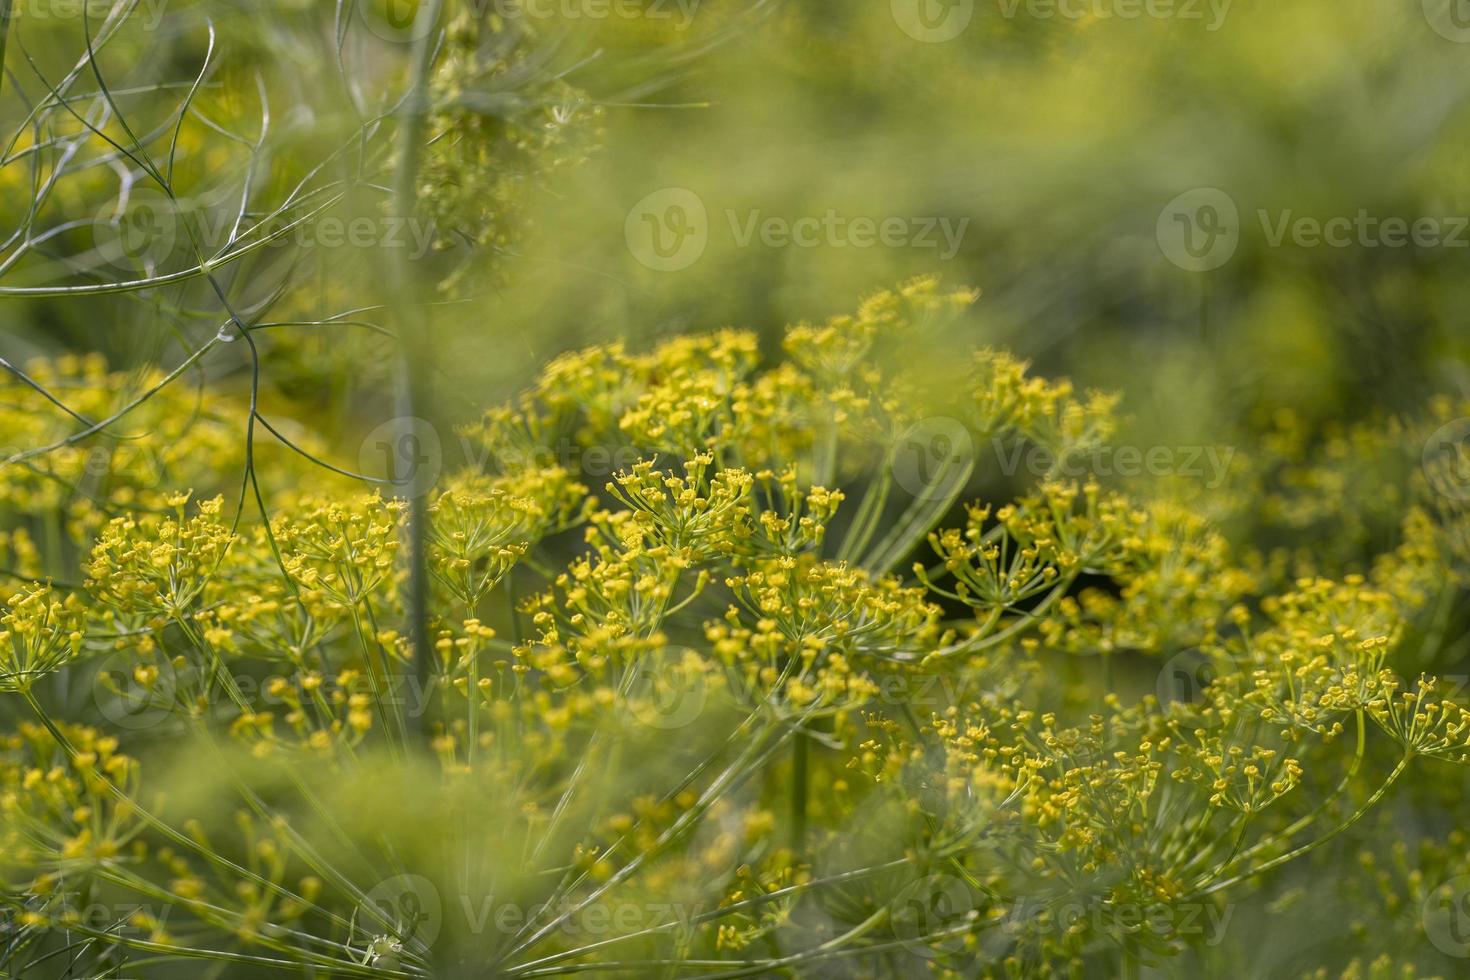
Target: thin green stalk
[[865, 524], [4, 33], [920, 516], [800, 750], [531, 968], [395, 720], [407, 307], [61, 739], [1276, 862], [157, 824], [751, 758], [1307, 819]]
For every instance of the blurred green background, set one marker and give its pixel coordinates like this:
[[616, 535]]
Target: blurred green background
[[1064, 148], [1124, 190]]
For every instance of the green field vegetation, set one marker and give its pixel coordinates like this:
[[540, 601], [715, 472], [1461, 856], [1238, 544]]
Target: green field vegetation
[[697, 489]]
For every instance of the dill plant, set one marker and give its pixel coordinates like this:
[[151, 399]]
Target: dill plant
[[796, 690], [674, 731]]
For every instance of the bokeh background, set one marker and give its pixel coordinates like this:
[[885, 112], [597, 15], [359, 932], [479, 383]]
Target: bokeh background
[[1112, 175], [1053, 137]]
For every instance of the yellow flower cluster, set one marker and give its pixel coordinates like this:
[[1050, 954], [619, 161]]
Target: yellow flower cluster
[[156, 568], [39, 634], [700, 684]]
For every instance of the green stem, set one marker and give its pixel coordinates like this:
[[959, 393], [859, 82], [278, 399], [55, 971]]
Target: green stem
[[61, 739], [1276, 862], [1306, 820], [800, 750], [182, 839], [408, 312], [4, 32]]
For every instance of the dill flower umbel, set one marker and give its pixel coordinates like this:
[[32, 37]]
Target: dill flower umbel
[[39, 634], [679, 713]]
